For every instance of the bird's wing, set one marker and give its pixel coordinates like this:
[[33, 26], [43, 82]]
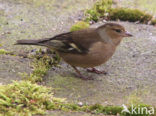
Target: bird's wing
[[86, 37], [72, 42]]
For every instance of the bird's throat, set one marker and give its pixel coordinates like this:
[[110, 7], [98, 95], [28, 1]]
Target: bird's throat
[[105, 37]]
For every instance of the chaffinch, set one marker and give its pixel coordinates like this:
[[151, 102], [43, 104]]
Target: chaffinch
[[85, 48]]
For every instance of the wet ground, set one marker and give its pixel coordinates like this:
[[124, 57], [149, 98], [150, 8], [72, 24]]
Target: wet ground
[[131, 71]]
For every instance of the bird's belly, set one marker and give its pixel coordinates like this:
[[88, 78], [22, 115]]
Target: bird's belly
[[85, 61], [98, 54]]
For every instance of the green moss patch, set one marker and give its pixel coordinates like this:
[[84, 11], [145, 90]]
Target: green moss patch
[[109, 110], [24, 98], [103, 10], [79, 25], [131, 15], [100, 9], [2, 51], [41, 63], [153, 22]]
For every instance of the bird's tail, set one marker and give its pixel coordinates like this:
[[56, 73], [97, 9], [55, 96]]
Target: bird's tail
[[27, 42]]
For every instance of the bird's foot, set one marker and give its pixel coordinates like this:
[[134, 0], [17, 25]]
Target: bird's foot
[[94, 70], [80, 75]]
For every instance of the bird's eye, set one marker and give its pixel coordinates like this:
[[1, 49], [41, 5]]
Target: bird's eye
[[118, 30]]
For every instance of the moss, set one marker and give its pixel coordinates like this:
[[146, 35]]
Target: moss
[[153, 22], [103, 9], [5, 52], [25, 98], [96, 109], [92, 15], [79, 25], [2, 51], [99, 109], [100, 9], [131, 15], [112, 110], [42, 62]]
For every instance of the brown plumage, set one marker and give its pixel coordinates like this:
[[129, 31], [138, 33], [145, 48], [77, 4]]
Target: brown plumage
[[85, 48]]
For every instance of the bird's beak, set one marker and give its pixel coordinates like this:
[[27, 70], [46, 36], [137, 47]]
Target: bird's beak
[[127, 34]]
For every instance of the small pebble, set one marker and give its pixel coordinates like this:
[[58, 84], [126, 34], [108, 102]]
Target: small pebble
[[134, 56], [80, 104]]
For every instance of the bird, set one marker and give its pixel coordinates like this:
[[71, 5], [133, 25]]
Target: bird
[[86, 48]]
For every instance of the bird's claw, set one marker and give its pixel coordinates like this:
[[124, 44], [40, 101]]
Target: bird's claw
[[94, 70]]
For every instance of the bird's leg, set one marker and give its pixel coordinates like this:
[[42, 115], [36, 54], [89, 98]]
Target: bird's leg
[[94, 70], [79, 74]]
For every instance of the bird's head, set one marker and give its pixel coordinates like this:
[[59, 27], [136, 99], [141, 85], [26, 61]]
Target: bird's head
[[114, 32]]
